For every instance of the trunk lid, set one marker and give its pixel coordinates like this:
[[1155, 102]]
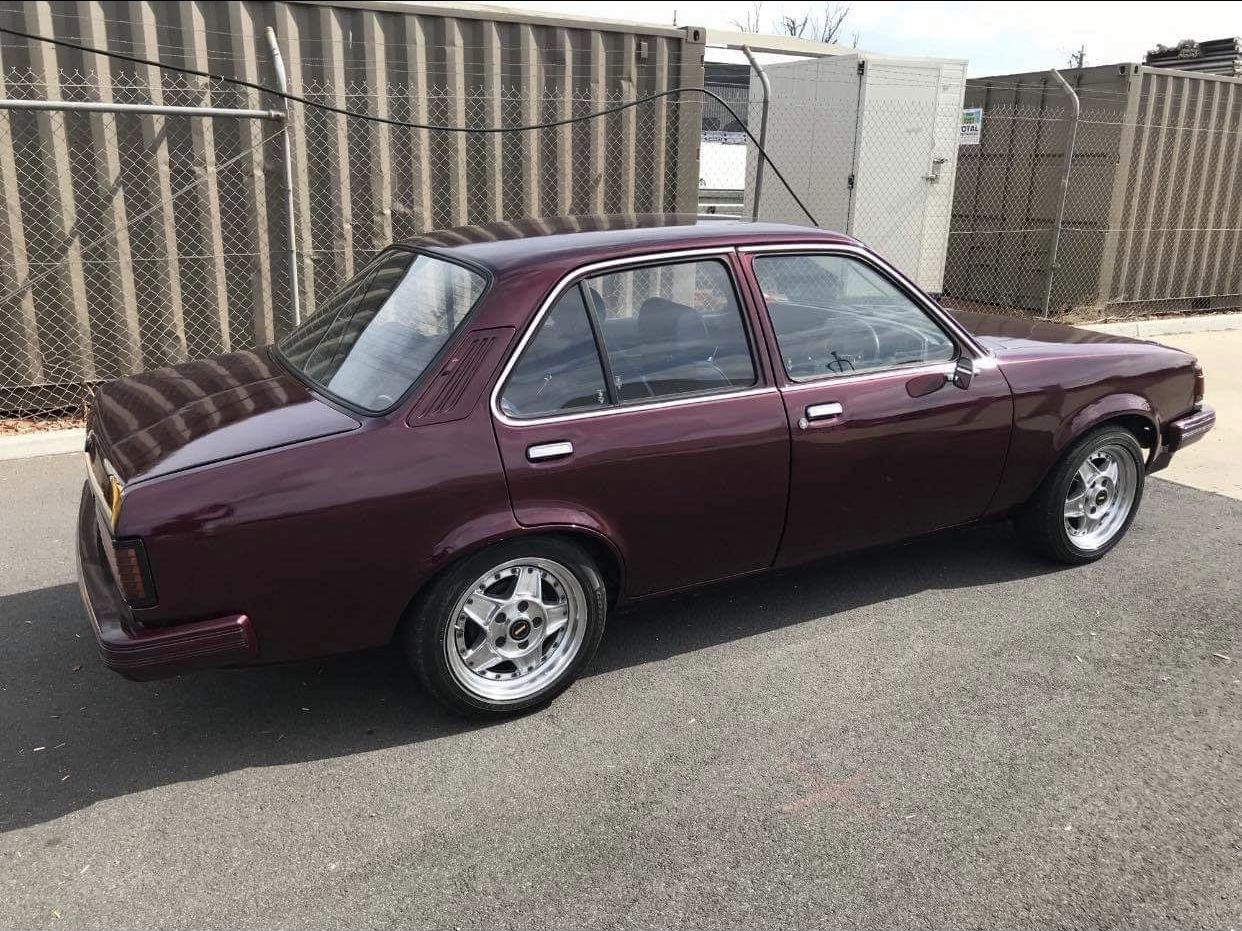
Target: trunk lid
[[182, 416]]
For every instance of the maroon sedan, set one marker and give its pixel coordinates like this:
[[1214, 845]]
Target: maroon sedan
[[493, 434]]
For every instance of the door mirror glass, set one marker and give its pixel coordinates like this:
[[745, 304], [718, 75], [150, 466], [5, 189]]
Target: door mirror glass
[[964, 372]]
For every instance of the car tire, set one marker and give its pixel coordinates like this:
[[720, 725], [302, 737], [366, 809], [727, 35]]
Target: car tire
[[507, 629], [1079, 513]]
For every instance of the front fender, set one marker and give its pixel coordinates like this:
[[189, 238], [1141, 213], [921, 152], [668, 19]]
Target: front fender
[[1102, 410]]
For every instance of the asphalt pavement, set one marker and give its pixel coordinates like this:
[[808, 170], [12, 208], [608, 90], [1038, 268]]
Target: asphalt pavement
[[946, 734]]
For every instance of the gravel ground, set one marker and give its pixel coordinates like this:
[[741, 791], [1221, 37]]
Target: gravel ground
[[946, 734]]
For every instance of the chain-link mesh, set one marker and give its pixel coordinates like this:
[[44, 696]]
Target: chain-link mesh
[[1150, 211], [131, 242], [366, 184], [867, 147], [141, 241], [873, 148]]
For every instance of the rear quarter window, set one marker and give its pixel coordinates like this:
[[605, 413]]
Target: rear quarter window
[[378, 335]]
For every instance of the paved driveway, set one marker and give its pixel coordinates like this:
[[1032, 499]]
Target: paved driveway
[[946, 734], [1215, 462]]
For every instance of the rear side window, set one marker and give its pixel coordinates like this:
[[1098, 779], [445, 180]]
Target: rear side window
[[672, 330], [631, 336], [376, 337], [560, 371], [835, 315]]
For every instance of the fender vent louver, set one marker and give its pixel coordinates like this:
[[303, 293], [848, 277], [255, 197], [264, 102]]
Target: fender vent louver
[[460, 380]]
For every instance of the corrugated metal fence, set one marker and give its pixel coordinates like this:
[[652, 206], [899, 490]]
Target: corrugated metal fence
[[131, 241]]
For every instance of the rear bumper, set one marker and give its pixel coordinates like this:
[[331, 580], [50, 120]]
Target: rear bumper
[[139, 652], [1182, 432]]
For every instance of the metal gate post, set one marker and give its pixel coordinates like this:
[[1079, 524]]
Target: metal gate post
[[291, 230], [763, 126], [1055, 245]]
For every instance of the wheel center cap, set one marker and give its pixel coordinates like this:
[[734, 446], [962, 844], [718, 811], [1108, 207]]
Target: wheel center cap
[[519, 629], [1101, 497]]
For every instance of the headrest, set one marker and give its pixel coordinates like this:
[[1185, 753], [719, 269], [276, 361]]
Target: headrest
[[663, 321]]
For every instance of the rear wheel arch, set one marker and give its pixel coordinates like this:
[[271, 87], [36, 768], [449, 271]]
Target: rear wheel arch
[[599, 548], [431, 630]]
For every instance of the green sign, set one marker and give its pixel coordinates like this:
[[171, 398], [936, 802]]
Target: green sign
[[972, 126]]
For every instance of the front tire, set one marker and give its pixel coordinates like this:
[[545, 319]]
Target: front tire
[[1087, 503], [509, 628]]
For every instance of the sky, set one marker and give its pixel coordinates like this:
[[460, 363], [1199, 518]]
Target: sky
[[996, 38]]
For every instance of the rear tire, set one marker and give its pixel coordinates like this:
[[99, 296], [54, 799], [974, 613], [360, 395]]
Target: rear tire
[[508, 629], [1087, 503]]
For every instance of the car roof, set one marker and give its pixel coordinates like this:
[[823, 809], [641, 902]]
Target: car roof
[[571, 241]]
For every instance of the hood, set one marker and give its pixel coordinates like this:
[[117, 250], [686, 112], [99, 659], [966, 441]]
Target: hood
[[183, 416], [1010, 335]]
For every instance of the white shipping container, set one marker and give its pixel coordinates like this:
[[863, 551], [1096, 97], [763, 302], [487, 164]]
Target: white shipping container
[[869, 143]]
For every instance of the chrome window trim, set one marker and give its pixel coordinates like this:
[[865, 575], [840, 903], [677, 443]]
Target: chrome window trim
[[907, 287], [571, 279], [925, 368]]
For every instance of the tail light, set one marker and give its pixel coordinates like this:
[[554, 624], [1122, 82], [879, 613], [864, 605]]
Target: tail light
[[133, 573], [1198, 385]]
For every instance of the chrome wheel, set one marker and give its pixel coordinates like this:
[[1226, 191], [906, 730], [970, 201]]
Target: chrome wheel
[[1100, 496], [516, 630]]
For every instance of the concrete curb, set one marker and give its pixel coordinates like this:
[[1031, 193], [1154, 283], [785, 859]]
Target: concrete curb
[[44, 443], [1167, 326]]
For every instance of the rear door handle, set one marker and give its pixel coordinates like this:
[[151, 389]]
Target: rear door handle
[[542, 451], [819, 412]]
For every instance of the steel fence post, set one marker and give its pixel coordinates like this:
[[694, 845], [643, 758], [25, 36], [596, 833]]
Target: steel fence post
[[282, 82], [1055, 245], [763, 126]]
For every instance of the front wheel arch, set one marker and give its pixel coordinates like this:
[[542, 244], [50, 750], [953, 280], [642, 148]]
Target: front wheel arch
[[1041, 522], [1131, 411]]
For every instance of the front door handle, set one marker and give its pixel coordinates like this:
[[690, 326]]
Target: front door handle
[[820, 412], [543, 451]]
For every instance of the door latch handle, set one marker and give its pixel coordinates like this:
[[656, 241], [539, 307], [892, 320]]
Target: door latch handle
[[817, 412], [543, 451]]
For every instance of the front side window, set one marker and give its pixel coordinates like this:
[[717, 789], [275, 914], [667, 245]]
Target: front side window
[[671, 330], [560, 371], [377, 336], [835, 315]]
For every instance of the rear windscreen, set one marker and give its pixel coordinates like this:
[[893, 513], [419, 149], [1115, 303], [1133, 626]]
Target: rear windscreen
[[376, 337]]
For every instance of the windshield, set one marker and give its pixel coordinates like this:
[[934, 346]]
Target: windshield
[[374, 339]]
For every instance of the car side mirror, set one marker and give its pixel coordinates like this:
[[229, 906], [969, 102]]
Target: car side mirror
[[963, 372]]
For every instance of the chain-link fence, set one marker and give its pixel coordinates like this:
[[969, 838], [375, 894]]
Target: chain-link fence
[[1129, 206], [131, 241], [138, 241], [393, 183], [1151, 207]]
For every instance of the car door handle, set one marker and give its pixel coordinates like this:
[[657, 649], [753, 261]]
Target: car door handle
[[819, 413], [542, 451]]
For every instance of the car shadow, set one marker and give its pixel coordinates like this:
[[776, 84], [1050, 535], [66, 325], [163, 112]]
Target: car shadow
[[76, 733]]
